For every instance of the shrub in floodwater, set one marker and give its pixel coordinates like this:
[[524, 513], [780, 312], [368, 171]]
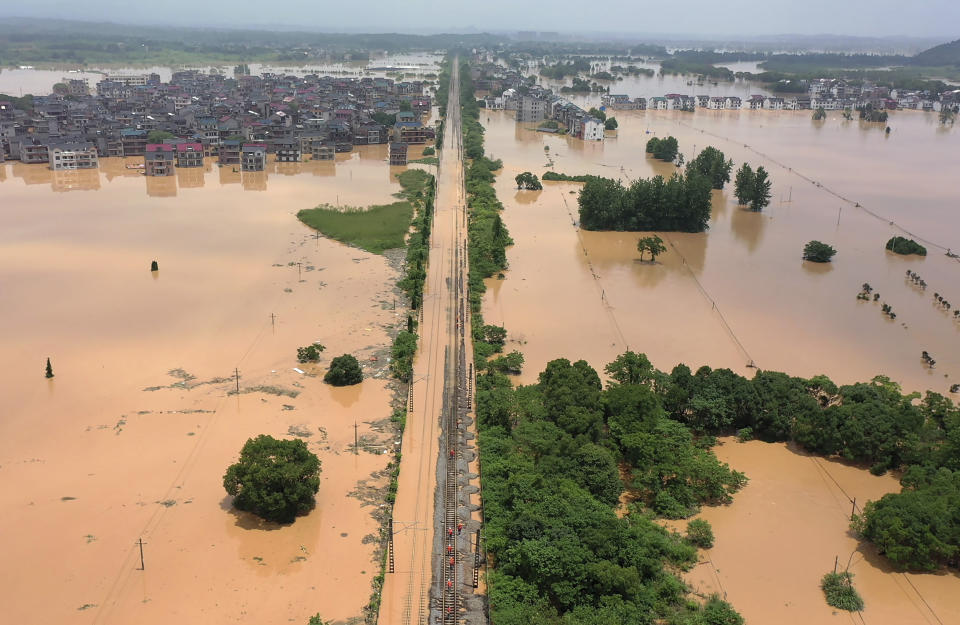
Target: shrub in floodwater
[[840, 593], [275, 479], [818, 252], [700, 533], [344, 371], [745, 434], [154, 266], [49, 369], [901, 245], [310, 353]]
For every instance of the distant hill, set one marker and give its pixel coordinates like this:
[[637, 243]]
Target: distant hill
[[944, 54]]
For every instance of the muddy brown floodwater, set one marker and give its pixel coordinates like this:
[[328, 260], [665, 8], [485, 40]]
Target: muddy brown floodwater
[[740, 293], [784, 531], [133, 435]]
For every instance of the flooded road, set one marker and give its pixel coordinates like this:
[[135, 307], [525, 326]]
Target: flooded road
[[132, 436], [740, 292]]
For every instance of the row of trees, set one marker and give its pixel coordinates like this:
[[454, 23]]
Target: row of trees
[[679, 203]]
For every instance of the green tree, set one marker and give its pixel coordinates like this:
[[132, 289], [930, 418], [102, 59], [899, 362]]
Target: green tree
[[154, 266], [818, 252], [631, 368], [710, 162], [819, 114], [611, 124], [947, 115], [527, 180], [760, 197], [744, 184], [595, 112], [310, 353], [157, 136], [344, 371], [275, 479], [316, 619], [49, 373], [700, 533], [653, 244]]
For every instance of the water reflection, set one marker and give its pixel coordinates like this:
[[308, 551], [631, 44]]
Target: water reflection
[[75, 180], [161, 186], [748, 226]]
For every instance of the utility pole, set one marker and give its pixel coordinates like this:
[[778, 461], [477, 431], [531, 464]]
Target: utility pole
[[298, 270], [853, 509], [140, 542], [272, 320], [236, 372], [356, 440]]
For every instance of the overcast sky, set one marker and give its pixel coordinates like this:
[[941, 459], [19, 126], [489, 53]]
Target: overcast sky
[[937, 18]]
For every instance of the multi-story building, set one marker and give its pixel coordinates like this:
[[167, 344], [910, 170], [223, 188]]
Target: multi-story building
[[410, 132], [254, 157], [287, 150], [158, 159], [230, 152], [65, 156], [398, 153], [322, 151], [32, 151], [531, 109], [189, 154]]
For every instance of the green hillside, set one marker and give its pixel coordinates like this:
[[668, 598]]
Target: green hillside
[[938, 56]]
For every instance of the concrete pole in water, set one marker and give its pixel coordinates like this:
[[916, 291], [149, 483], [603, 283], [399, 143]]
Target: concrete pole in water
[[140, 542]]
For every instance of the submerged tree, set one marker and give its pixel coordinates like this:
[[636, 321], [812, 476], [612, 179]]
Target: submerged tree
[[527, 180], [819, 114], [344, 371], [652, 244], [274, 479], [744, 184], [818, 252], [49, 369], [760, 197]]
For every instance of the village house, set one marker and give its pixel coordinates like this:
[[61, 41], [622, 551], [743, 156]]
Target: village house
[[398, 153], [158, 159], [287, 150], [73, 155], [254, 157], [230, 152], [189, 154]]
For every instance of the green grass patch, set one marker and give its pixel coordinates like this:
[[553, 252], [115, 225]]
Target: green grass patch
[[429, 160], [374, 229]]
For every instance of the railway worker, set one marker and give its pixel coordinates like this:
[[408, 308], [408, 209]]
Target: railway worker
[[449, 584], [450, 532], [459, 528], [452, 453], [449, 548], [453, 562]]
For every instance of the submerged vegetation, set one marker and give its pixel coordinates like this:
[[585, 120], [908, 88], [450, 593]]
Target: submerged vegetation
[[901, 245], [275, 479], [678, 203], [663, 149], [818, 252], [840, 593], [374, 229]]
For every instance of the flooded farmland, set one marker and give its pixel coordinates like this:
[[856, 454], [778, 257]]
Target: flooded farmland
[[740, 294], [131, 438]]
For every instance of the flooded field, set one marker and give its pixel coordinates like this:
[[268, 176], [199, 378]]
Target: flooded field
[[740, 292], [131, 438], [785, 529]]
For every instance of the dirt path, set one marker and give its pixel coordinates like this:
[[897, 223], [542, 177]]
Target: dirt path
[[406, 592]]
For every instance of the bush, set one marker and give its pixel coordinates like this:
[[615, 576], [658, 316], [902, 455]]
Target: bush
[[428, 151], [745, 434], [663, 149], [901, 245], [310, 353], [818, 252], [274, 479], [404, 348], [700, 533], [344, 371], [840, 593]]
